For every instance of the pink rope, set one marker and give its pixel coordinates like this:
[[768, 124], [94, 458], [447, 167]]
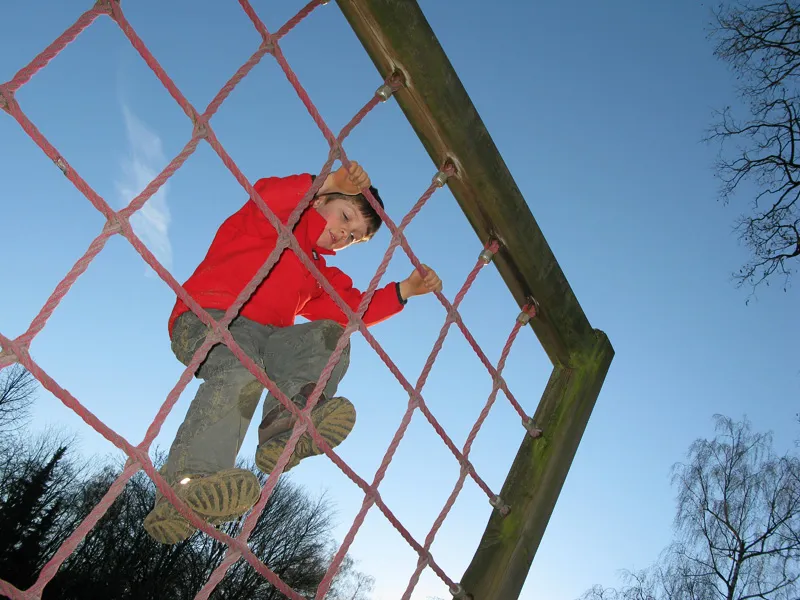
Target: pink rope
[[12, 592], [25, 74], [467, 448], [68, 547], [138, 44], [119, 222], [387, 458]]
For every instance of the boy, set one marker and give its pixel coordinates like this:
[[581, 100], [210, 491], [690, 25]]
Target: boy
[[200, 465]]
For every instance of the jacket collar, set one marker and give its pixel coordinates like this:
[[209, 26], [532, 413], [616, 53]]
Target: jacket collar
[[316, 225]]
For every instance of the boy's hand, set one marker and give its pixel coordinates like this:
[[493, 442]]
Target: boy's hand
[[417, 285], [344, 182]]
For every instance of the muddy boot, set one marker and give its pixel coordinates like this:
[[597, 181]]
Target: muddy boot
[[333, 418], [217, 498], [165, 525]]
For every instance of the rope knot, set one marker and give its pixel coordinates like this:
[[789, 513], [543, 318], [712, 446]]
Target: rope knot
[[112, 225], [7, 358], [6, 99], [415, 400], [217, 333], [352, 327], [16, 351], [105, 6], [284, 239], [336, 152], [268, 45], [137, 456], [373, 496], [200, 129]]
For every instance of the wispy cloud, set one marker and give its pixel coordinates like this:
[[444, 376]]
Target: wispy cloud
[[144, 161]]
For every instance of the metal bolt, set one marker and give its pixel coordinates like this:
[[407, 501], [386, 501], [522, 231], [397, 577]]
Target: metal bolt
[[502, 507], [487, 255], [385, 92], [534, 431], [440, 178], [533, 306]]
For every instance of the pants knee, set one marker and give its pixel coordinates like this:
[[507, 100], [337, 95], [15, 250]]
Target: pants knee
[[331, 332]]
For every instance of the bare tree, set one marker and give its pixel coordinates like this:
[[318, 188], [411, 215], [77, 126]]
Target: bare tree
[[349, 583], [17, 389], [759, 152], [737, 526]]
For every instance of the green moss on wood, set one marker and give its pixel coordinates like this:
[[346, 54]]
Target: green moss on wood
[[536, 477]]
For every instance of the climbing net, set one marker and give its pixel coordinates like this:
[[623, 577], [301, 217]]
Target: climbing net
[[118, 223]]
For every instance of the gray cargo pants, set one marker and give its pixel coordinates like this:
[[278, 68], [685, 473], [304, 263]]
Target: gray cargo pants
[[211, 435]]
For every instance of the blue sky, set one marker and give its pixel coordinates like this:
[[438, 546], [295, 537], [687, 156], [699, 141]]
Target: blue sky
[[598, 110]]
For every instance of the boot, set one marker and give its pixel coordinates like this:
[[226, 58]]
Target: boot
[[217, 498], [333, 418]]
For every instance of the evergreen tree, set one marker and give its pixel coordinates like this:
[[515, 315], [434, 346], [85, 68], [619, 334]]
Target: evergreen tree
[[28, 516]]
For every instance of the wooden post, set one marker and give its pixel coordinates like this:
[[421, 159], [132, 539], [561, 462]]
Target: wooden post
[[399, 40], [501, 563]]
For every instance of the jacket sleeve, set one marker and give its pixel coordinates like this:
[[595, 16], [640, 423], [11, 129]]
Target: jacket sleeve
[[385, 301], [281, 194]]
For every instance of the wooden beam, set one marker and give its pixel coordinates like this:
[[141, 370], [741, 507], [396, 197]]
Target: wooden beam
[[504, 556], [398, 38]]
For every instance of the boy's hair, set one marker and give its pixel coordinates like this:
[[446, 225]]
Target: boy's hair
[[364, 207]]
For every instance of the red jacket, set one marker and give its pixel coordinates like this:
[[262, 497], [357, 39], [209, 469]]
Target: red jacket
[[242, 245]]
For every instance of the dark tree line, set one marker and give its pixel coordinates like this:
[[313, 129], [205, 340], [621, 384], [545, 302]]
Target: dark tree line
[[760, 155], [46, 491]]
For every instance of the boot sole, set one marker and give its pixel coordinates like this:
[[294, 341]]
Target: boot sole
[[334, 421], [166, 526], [217, 498], [227, 494]]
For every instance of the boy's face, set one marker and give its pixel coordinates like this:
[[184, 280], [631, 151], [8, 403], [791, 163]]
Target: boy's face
[[345, 224]]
